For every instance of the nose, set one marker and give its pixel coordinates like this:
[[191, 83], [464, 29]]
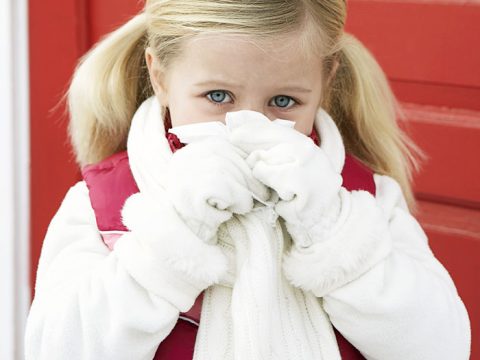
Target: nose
[[261, 108]]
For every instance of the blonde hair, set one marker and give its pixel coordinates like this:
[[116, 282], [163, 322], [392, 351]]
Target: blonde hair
[[111, 80]]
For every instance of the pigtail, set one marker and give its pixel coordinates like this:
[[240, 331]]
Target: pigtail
[[109, 84], [362, 103]]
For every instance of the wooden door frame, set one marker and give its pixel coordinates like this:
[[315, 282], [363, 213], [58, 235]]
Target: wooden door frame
[[15, 177]]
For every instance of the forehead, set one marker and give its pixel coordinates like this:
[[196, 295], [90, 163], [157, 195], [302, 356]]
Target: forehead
[[243, 59]]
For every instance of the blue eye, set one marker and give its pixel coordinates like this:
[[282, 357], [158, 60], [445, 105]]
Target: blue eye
[[218, 96], [283, 101]]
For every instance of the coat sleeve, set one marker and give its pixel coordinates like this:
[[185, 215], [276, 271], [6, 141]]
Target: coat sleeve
[[388, 295], [93, 303]]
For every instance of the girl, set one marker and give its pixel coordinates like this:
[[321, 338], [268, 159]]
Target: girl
[[291, 243]]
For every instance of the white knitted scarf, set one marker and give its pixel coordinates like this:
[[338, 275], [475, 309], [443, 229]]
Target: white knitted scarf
[[254, 312]]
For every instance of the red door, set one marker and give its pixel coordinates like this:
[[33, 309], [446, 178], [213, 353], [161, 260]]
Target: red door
[[427, 48]]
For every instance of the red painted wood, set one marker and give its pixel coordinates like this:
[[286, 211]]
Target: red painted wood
[[451, 139], [427, 42], [462, 97], [55, 45], [454, 236], [106, 16]]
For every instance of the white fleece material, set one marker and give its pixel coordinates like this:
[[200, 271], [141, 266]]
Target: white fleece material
[[291, 164], [373, 277], [181, 272], [190, 133], [223, 185]]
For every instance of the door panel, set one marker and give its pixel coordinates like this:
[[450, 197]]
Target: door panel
[[56, 42], [423, 42]]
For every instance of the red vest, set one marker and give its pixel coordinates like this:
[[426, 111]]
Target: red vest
[[111, 182]]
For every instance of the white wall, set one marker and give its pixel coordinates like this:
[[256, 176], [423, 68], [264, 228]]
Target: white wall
[[14, 177]]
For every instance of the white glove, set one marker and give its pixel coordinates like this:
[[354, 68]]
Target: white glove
[[208, 181], [171, 249], [162, 253], [290, 163], [338, 235]]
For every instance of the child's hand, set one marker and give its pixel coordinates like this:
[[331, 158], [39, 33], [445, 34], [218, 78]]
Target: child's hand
[[298, 170], [208, 181]]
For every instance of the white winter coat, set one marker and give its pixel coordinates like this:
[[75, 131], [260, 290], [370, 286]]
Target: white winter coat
[[93, 303]]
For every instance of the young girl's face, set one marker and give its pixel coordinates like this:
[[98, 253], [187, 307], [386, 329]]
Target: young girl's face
[[221, 73]]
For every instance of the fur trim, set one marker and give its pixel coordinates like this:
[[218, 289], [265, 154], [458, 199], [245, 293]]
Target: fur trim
[[390, 193], [359, 240], [331, 139], [164, 255]]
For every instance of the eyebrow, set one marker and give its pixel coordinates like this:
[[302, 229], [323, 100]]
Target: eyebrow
[[226, 84], [296, 89], [217, 82]]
